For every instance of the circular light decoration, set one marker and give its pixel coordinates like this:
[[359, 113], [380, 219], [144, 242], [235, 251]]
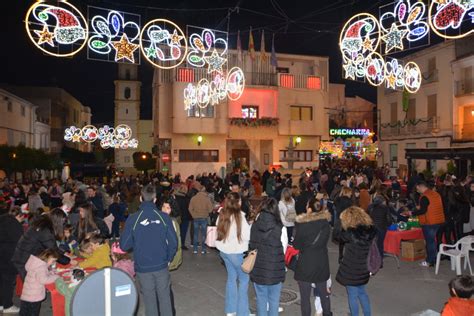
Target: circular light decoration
[[73, 134], [57, 29], [394, 74], [207, 48], [375, 69], [412, 76], [123, 132], [358, 38], [451, 16], [89, 133], [163, 44], [235, 83]]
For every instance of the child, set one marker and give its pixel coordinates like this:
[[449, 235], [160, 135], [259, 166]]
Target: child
[[37, 276], [68, 289], [122, 260], [461, 289], [98, 251], [69, 243]]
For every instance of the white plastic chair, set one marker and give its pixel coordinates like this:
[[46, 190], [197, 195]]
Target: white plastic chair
[[456, 252]]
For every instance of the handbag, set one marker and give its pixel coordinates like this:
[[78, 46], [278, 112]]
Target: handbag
[[211, 236], [249, 261]]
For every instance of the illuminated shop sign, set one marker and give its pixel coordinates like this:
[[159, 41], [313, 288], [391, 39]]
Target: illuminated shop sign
[[349, 132]]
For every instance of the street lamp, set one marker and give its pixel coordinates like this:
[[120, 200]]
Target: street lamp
[[199, 139], [144, 156], [298, 140], [14, 155]]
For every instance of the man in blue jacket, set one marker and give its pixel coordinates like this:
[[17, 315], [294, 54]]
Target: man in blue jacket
[[150, 233]]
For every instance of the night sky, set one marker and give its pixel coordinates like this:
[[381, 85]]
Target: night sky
[[300, 27]]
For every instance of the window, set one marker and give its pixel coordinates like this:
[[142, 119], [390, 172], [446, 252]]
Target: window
[[23, 110], [283, 70], [432, 106], [393, 112], [185, 75], [301, 113], [126, 111], [192, 155], [411, 113], [249, 111], [10, 106], [393, 155], [431, 164], [302, 155], [196, 111], [431, 64], [23, 138], [126, 159], [127, 93]]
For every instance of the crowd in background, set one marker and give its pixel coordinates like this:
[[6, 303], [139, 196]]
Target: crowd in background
[[49, 221]]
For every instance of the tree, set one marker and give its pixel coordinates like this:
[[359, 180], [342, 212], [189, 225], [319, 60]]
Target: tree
[[143, 161], [20, 159]]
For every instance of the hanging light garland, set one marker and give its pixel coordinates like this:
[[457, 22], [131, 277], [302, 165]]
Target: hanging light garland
[[119, 137]]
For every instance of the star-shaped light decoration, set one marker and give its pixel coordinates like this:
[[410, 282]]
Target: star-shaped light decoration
[[76, 138], [215, 62], [394, 38], [350, 71], [391, 79], [367, 44], [124, 49], [176, 38], [45, 36], [150, 51]]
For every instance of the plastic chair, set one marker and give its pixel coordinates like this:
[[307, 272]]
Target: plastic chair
[[456, 252]]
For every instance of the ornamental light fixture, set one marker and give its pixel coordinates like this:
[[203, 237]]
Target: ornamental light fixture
[[199, 139]]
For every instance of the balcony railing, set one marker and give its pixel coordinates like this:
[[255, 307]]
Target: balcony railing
[[419, 126], [464, 132], [463, 87], [429, 76]]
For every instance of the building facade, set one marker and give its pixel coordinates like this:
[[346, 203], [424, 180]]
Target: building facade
[[58, 109], [439, 115], [252, 132]]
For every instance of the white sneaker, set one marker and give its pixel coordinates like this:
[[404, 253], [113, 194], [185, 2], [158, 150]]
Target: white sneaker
[[11, 310], [280, 309]]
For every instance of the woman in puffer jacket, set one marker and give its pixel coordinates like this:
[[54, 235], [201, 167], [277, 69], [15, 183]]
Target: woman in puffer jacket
[[341, 203], [358, 233], [379, 211]]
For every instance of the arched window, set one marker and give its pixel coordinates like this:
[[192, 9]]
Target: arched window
[[127, 93]]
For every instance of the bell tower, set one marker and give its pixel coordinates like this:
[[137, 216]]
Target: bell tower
[[127, 110]]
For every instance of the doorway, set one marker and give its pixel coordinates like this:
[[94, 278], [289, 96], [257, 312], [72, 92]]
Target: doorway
[[241, 159]]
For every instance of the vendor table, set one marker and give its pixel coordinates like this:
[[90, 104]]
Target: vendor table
[[394, 238]]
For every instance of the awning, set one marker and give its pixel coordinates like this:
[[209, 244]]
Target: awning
[[440, 153]]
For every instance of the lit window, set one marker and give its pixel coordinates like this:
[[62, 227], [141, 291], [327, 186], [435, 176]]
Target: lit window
[[249, 111], [196, 111]]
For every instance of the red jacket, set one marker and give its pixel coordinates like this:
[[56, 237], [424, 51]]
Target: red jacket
[[458, 307]]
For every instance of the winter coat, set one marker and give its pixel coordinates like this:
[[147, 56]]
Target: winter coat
[[458, 307], [126, 265], [10, 233], [301, 201], [183, 203], [265, 236], [118, 211], [311, 239], [353, 269], [33, 242], [380, 213], [200, 205], [37, 276], [99, 259], [364, 199], [341, 203]]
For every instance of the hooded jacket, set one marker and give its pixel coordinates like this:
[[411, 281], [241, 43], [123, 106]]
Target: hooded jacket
[[151, 235], [10, 232], [458, 307], [311, 239], [200, 205], [265, 236], [353, 269], [341, 203], [380, 213], [37, 276]]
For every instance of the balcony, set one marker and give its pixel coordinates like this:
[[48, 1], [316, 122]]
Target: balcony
[[464, 87], [464, 132], [429, 76], [261, 128], [420, 127]]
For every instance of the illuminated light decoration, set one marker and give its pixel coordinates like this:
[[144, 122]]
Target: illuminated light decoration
[[215, 62], [161, 48], [451, 16], [118, 138], [412, 76], [375, 69], [114, 35], [69, 31], [409, 18], [89, 133], [349, 132], [207, 92], [208, 48], [124, 49], [394, 74], [394, 38]]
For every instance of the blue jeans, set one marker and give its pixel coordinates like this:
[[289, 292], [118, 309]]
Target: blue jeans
[[355, 295], [268, 299], [236, 297], [429, 231], [200, 223]]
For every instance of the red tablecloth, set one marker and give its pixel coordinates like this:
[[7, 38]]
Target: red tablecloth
[[393, 239]]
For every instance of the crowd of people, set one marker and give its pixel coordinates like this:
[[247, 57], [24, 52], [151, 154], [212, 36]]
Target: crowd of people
[[142, 224]]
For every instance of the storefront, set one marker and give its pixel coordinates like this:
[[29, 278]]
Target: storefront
[[348, 143]]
